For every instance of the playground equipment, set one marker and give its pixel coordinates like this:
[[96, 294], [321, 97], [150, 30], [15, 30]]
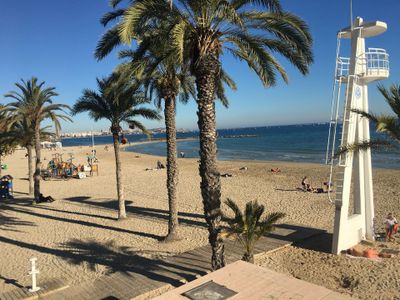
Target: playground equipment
[[57, 168], [353, 168]]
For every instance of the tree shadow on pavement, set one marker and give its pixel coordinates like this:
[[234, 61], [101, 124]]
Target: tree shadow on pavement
[[116, 259]]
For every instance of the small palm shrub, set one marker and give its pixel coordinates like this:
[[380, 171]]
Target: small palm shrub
[[249, 226]]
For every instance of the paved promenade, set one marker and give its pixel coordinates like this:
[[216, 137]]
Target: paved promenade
[[160, 275]]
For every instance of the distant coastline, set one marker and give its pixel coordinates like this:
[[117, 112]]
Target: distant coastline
[[157, 131]]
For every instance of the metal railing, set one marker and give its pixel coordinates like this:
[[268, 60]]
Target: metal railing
[[342, 67], [374, 62]]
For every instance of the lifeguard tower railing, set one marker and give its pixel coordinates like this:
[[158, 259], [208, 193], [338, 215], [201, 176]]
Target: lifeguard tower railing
[[372, 65]]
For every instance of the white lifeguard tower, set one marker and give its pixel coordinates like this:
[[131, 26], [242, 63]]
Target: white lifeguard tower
[[354, 214]]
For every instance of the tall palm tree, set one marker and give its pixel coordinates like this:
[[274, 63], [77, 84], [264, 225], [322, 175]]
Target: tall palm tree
[[34, 102], [248, 226], [23, 134], [119, 102], [200, 32], [384, 123], [164, 80]]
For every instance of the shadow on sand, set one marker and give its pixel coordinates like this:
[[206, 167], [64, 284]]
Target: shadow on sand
[[9, 223], [141, 211], [319, 243], [116, 259], [13, 282], [12, 205]]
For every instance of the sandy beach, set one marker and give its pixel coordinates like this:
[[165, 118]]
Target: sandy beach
[[81, 223]]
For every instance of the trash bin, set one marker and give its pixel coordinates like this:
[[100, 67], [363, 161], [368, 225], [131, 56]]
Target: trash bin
[[6, 186]]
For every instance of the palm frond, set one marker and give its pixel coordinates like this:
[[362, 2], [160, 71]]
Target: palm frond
[[111, 16], [107, 43], [367, 115], [374, 144], [34, 104], [146, 113], [273, 5], [117, 100], [238, 216], [133, 124], [392, 97]]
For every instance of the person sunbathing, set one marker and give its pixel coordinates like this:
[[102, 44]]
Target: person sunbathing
[[275, 170], [317, 190], [226, 175], [368, 253]]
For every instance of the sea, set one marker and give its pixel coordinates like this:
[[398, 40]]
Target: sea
[[291, 143]]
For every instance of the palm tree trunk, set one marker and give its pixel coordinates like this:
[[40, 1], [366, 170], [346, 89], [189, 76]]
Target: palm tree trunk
[[1, 169], [37, 166], [248, 256], [206, 72], [30, 169], [120, 188], [172, 170]]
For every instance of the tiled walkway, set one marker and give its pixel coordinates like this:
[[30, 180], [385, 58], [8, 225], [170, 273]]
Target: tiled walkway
[[264, 284], [162, 274]]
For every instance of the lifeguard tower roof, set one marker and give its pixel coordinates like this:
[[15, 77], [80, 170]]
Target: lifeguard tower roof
[[368, 29]]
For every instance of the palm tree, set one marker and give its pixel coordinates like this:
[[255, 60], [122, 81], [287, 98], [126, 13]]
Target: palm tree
[[164, 80], [20, 132], [386, 124], [7, 145], [6, 148], [248, 227], [34, 102], [116, 101], [200, 32], [23, 134]]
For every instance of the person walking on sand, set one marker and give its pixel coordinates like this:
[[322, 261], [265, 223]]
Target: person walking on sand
[[392, 227]]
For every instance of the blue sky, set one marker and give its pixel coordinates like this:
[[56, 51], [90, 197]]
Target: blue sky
[[55, 41]]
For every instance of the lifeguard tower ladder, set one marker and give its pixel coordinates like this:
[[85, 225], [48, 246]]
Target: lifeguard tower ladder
[[353, 75]]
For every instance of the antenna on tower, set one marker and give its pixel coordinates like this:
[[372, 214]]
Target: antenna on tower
[[351, 14]]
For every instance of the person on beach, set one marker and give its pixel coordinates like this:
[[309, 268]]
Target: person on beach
[[160, 165], [275, 170], [43, 199], [392, 227], [306, 185], [182, 154], [328, 186]]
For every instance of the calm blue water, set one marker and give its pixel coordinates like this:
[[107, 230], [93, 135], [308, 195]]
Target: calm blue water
[[295, 143]]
